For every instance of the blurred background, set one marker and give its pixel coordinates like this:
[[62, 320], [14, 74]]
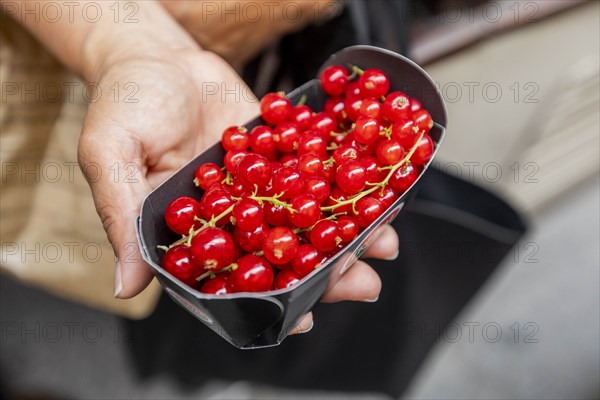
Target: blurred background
[[521, 82]]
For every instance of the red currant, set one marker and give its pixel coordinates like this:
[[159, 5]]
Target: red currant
[[307, 260], [396, 105], [415, 105], [212, 249], [280, 245], [285, 279], [251, 241], [232, 159], [310, 165], [318, 187], [305, 211], [180, 214], [262, 140], [214, 203], [405, 132], [247, 214], [235, 138], [208, 174], [323, 123], [389, 152], [218, 285], [287, 182], [344, 153], [423, 121], [351, 177], [334, 106], [301, 115], [372, 165], [352, 107], [403, 178], [286, 137], [276, 215], [254, 169], [312, 142], [386, 196], [370, 108], [348, 228], [325, 235], [176, 261], [366, 130], [275, 108], [368, 210], [334, 80], [252, 274], [423, 152], [374, 83]]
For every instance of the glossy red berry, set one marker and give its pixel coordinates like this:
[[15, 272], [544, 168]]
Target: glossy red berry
[[325, 235], [252, 274], [307, 260], [312, 142], [212, 249], [310, 165], [214, 203], [405, 132], [423, 152], [176, 261], [368, 210], [305, 211], [251, 241], [318, 187], [218, 285], [287, 182], [232, 159], [403, 178], [286, 137], [371, 108], [335, 107], [351, 177], [275, 108], [367, 130], [235, 138], [180, 214], [348, 228], [397, 105], [389, 152], [386, 196], [372, 167], [352, 107], [343, 153], [286, 279], [301, 115], [280, 245], [337, 196], [289, 160], [323, 123], [374, 83], [334, 80], [207, 175], [423, 121], [262, 140], [415, 105], [254, 169], [247, 214], [275, 215]]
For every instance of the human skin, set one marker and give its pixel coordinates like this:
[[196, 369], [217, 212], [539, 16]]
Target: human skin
[[171, 120]]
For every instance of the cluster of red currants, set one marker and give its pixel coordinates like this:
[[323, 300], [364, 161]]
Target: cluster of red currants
[[296, 190]]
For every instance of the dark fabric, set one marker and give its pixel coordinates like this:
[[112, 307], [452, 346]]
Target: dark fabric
[[453, 236]]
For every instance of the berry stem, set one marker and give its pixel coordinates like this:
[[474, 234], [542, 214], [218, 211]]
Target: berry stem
[[381, 184]]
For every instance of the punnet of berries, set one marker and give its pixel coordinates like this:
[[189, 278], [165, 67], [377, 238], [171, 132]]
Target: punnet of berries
[[294, 191]]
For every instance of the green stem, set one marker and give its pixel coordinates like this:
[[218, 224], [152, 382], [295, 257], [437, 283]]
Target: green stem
[[381, 184]]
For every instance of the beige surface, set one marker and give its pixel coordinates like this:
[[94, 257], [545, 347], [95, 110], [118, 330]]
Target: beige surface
[[51, 235], [554, 63]]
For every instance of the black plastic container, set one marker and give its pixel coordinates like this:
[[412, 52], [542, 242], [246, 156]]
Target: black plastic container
[[254, 320]]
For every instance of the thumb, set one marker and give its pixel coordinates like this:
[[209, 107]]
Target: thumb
[[112, 162]]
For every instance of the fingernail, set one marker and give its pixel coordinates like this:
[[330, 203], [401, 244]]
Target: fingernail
[[312, 324], [118, 282], [371, 300], [392, 258]]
